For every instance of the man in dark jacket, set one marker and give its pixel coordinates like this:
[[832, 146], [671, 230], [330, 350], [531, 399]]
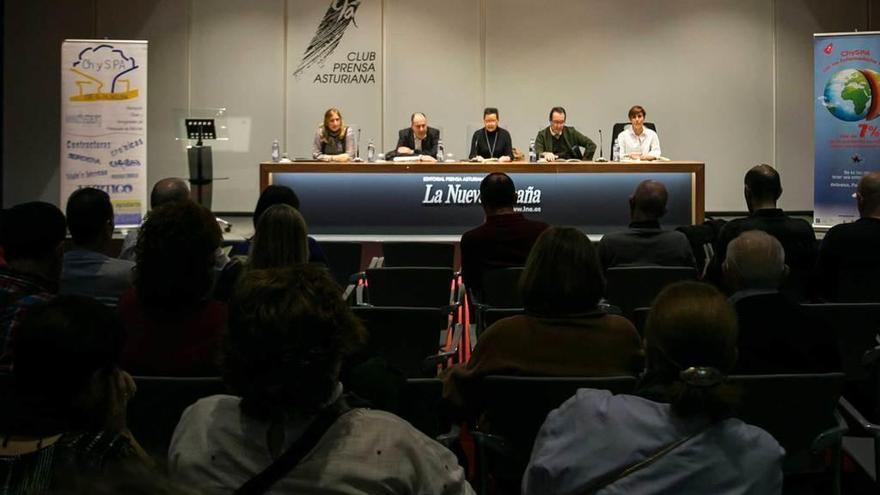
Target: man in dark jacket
[[559, 141], [418, 139]]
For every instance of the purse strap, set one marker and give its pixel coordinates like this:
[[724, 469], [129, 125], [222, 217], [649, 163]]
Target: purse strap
[[285, 463], [625, 471]]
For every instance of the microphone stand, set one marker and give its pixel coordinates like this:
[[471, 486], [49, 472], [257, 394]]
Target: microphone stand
[[601, 158]]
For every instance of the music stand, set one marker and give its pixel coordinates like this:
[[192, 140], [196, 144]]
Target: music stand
[[201, 162]]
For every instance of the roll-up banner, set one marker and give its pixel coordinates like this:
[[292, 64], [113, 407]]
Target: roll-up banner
[[104, 123], [846, 88]]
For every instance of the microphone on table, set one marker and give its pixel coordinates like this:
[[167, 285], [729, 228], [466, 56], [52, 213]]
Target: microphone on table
[[474, 148], [601, 158]]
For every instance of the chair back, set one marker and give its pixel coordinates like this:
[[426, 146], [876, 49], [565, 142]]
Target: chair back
[[631, 287], [418, 254], [618, 128], [422, 406], [856, 327], [640, 319], [516, 406], [155, 409], [796, 409], [501, 288], [856, 286], [420, 286], [343, 259], [403, 336]]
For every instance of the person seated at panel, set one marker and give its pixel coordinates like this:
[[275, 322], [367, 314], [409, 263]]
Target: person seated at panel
[[167, 190], [645, 243], [677, 433], [852, 248], [775, 335], [289, 330], [562, 333], [88, 269], [491, 142], [32, 235], [334, 141], [173, 328], [271, 196], [505, 237], [65, 416], [637, 142], [418, 139], [762, 190], [280, 239], [559, 141]]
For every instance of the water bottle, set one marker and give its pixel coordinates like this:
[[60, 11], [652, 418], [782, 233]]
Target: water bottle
[[440, 154], [615, 151], [371, 152], [276, 151], [533, 157]]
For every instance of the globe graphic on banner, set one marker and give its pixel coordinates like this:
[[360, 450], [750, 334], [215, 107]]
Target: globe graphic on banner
[[853, 94]]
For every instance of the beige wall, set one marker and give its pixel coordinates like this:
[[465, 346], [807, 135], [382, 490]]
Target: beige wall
[[726, 81]]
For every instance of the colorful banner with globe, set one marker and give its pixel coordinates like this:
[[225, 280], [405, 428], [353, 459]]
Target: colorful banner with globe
[[104, 123], [846, 128]]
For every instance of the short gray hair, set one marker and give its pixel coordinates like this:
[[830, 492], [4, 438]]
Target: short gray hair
[[757, 259]]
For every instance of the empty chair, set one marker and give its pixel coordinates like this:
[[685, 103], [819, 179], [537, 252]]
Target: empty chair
[[631, 287], [857, 286], [501, 288], [799, 411], [418, 254], [343, 259], [422, 406], [404, 336], [155, 409], [516, 407], [410, 286]]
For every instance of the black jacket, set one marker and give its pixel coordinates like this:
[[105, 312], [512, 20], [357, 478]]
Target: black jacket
[[429, 144]]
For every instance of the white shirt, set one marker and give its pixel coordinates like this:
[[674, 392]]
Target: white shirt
[[595, 433], [217, 448], [647, 142]]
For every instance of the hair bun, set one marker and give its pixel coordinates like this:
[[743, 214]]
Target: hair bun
[[701, 376]]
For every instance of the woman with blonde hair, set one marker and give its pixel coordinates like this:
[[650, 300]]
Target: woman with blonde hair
[[334, 141], [280, 239]]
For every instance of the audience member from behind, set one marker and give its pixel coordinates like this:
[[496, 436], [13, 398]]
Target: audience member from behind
[[279, 195], [65, 418], [32, 235], [173, 329], [849, 251], [280, 239], [645, 243], [676, 435], [505, 238], [775, 335], [762, 190], [289, 330], [168, 190], [87, 268], [563, 332]]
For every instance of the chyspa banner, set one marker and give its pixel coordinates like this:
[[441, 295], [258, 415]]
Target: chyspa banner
[[104, 123], [846, 129]]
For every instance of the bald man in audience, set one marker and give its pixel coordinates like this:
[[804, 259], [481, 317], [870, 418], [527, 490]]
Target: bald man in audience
[[167, 190], [762, 189], [851, 251], [775, 335], [645, 243]]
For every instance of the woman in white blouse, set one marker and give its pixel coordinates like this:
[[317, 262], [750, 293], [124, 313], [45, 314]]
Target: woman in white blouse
[[637, 142], [334, 141]]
